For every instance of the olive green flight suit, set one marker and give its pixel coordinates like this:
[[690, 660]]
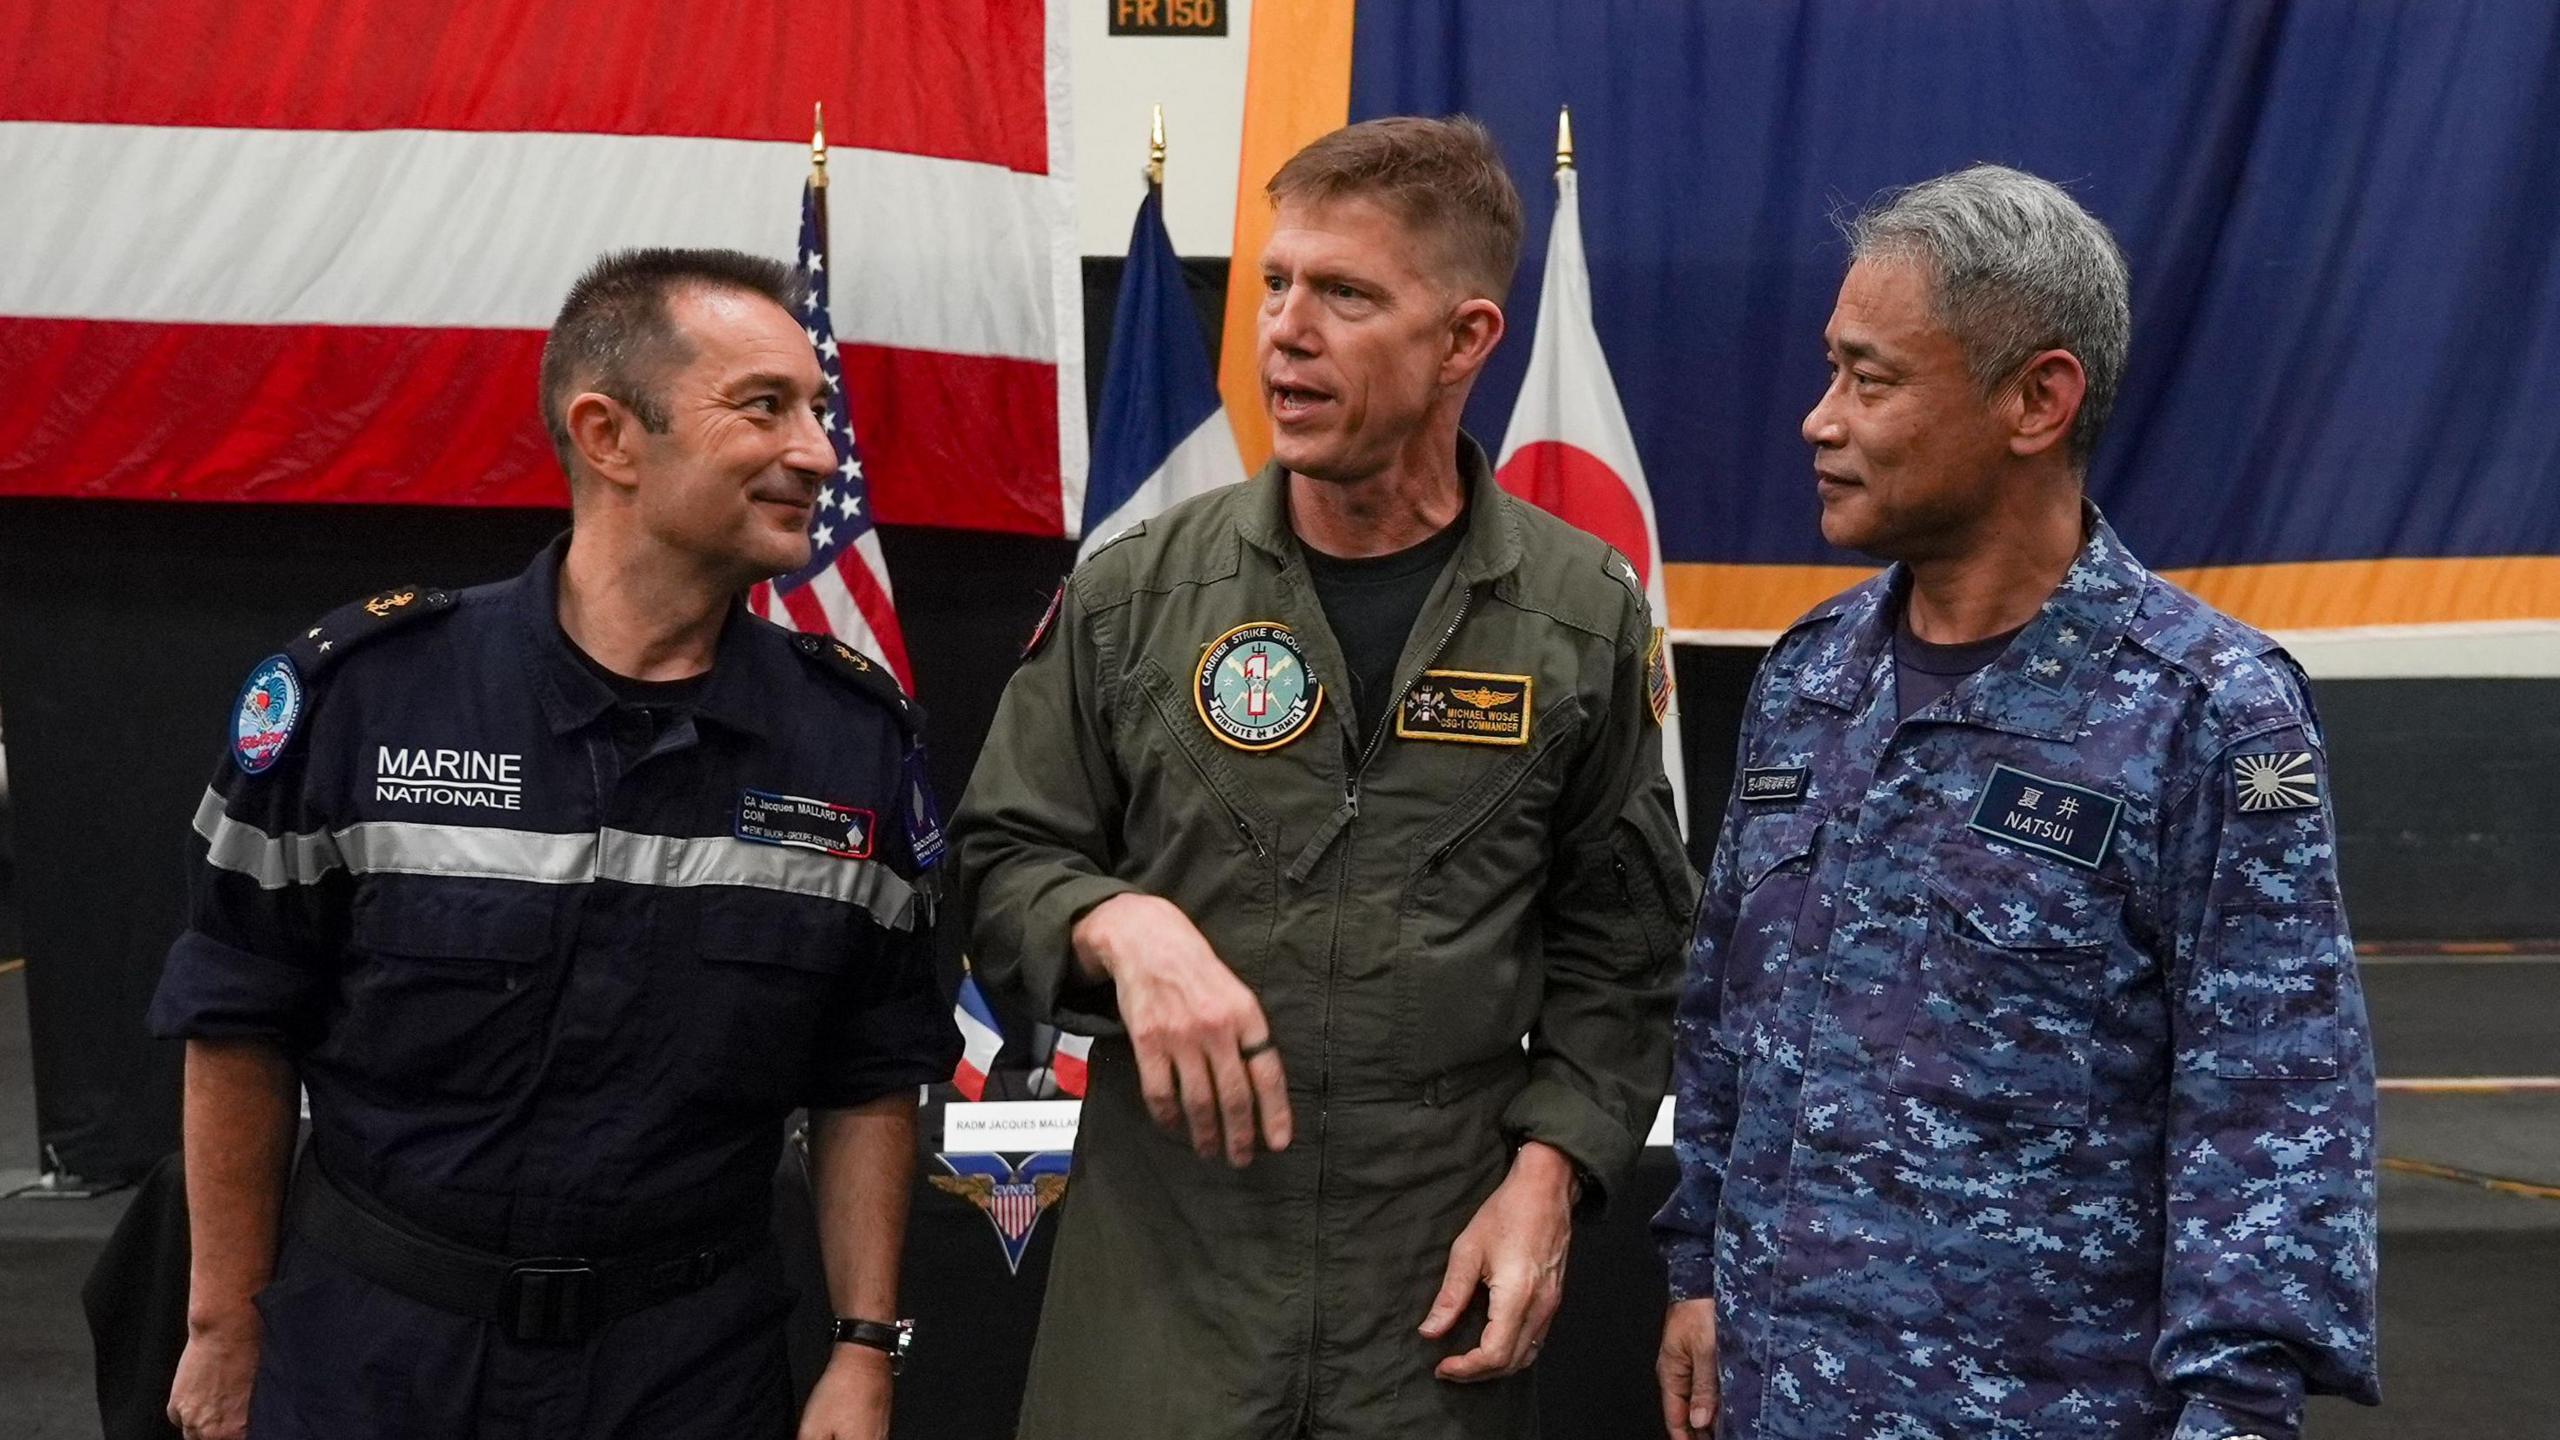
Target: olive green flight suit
[[1407, 911]]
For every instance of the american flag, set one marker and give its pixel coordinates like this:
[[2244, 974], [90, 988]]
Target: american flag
[[1015, 1209], [844, 589], [344, 229]]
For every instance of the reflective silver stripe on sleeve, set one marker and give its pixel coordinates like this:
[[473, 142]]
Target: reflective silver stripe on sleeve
[[480, 852], [273, 861], [683, 860], [468, 852]]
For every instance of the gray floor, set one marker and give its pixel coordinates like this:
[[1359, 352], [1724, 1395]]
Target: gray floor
[[2471, 1277], [45, 1250]]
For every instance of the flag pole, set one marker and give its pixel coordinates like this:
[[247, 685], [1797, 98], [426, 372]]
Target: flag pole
[[1564, 138], [818, 169], [1155, 150]]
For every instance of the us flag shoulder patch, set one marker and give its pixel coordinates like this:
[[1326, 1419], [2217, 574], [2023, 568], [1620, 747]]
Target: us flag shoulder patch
[[2276, 780], [1657, 676]]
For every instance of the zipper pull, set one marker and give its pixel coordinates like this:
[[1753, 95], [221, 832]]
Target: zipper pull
[[1252, 839], [1333, 826]]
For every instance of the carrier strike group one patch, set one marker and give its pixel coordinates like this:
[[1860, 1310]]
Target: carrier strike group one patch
[[1466, 706], [1253, 688]]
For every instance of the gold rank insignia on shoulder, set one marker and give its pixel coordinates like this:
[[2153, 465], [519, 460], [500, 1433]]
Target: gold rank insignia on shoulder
[[1468, 707], [383, 604]]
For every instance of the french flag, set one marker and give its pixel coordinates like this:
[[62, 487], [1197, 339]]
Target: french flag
[[1161, 436], [981, 1039], [1068, 1062], [1569, 450]]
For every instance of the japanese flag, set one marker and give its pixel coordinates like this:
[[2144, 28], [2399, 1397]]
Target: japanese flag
[[1569, 450]]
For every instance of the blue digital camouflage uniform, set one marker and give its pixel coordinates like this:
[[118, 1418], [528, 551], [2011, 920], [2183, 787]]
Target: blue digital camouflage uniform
[[2024, 1086]]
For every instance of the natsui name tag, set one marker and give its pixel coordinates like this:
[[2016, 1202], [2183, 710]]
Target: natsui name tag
[[2050, 817]]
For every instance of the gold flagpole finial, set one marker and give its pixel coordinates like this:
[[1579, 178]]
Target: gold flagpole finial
[[1155, 149], [1564, 137], [818, 145]]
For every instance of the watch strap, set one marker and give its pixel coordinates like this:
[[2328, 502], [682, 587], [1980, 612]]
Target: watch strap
[[893, 1338]]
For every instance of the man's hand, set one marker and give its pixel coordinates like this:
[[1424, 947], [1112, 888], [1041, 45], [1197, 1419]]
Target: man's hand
[[1204, 1047], [851, 1401], [1686, 1368], [1515, 1246], [210, 1398]]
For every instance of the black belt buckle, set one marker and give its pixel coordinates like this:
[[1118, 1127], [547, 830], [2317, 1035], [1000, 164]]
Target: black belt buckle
[[546, 1300]]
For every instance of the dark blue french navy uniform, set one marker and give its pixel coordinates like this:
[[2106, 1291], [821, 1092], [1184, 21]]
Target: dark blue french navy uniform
[[553, 967], [2024, 1083]]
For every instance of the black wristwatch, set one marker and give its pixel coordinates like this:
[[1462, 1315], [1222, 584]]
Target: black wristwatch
[[892, 1337]]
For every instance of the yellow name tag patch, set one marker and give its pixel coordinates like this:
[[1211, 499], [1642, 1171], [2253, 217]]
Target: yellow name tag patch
[[1467, 707]]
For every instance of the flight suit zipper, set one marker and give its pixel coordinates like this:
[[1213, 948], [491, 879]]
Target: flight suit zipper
[[1337, 830]]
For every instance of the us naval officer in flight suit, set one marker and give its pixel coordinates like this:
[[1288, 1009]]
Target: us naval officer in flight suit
[[1319, 795]]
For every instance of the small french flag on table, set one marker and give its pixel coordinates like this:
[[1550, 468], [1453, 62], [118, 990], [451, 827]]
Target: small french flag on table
[[1067, 1062], [981, 1039]]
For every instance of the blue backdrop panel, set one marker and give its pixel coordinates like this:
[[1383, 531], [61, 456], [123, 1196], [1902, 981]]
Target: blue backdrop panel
[[2342, 218]]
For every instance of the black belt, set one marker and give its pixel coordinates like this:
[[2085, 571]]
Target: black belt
[[547, 1299]]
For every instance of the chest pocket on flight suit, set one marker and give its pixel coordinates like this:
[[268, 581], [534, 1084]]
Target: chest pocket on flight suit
[[770, 974], [2011, 970], [1466, 943], [447, 994], [1191, 821], [1220, 810], [1775, 856]]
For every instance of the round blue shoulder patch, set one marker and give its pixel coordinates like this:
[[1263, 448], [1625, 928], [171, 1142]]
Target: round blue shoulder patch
[[270, 705]]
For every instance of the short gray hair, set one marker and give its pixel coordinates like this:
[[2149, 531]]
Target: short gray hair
[[2017, 267]]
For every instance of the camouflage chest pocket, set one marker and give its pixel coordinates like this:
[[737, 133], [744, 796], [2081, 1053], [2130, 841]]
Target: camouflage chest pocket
[[1774, 856], [2012, 967]]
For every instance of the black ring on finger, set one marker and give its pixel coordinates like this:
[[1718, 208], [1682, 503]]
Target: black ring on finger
[[1263, 1046]]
